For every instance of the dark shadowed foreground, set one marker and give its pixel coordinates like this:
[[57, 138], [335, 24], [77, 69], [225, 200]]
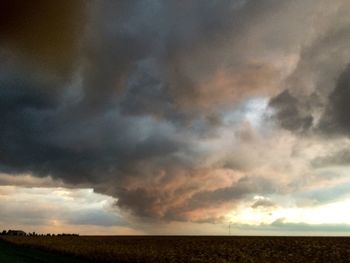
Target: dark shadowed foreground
[[13, 254], [193, 249]]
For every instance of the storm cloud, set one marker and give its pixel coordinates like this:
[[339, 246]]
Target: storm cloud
[[45, 32], [170, 107]]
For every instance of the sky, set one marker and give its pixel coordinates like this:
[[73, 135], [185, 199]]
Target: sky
[[175, 117]]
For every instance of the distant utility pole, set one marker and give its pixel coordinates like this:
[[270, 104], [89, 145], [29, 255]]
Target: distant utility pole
[[229, 228]]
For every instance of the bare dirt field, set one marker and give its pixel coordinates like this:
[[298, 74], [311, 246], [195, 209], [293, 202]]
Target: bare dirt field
[[190, 248]]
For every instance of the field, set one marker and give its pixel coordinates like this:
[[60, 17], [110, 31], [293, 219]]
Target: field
[[15, 254], [191, 248]]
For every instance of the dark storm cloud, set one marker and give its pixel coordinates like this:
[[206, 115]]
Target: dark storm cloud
[[157, 56], [81, 139], [43, 134], [242, 188], [295, 114], [150, 202], [147, 81], [336, 118], [315, 93], [289, 112], [43, 30]]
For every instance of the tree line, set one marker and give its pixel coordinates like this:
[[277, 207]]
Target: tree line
[[22, 233]]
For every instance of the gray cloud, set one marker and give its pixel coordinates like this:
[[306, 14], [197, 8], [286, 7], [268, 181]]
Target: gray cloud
[[47, 33], [263, 203], [335, 118], [242, 188], [303, 227], [315, 89], [341, 158], [40, 207], [150, 202], [148, 84], [289, 114], [280, 227], [323, 195], [94, 217]]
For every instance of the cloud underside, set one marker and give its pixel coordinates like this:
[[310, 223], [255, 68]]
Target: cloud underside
[[179, 110]]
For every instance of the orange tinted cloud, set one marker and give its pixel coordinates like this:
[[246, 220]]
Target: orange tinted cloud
[[228, 86]]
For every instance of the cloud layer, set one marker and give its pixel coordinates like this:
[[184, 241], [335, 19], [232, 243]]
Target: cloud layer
[[179, 110]]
